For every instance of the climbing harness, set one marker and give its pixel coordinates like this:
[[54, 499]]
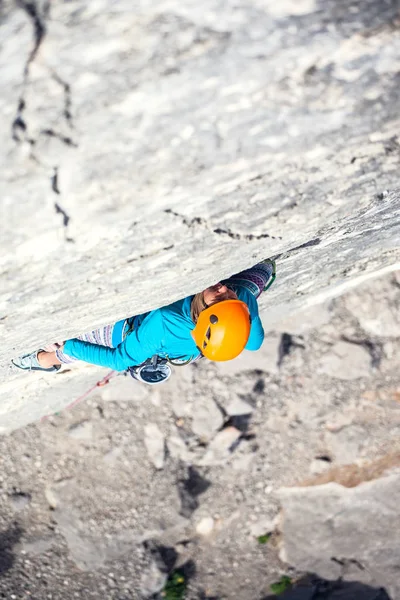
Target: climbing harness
[[157, 369], [153, 371]]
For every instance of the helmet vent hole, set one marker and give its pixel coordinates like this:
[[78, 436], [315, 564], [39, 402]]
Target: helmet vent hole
[[204, 345], [213, 319], [208, 333]]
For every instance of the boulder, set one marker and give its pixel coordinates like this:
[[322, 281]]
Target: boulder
[[333, 530], [346, 361]]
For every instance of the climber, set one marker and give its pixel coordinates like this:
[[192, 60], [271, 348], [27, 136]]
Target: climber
[[217, 323]]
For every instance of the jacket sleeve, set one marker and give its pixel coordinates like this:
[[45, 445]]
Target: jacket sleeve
[[256, 337], [138, 346]]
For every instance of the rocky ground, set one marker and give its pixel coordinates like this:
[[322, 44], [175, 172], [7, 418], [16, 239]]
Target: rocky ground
[[105, 500]]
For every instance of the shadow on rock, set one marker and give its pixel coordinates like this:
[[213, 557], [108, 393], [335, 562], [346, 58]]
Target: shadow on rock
[[8, 539], [189, 489], [313, 587]]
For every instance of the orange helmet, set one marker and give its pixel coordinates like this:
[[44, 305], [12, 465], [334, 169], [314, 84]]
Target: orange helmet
[[222, 330]]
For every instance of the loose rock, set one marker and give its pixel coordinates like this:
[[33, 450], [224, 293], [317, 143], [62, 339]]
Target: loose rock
[[81, 431], [20, 500], [239, 407], [153, 580], [377, 312], [207, 419], [261, 527], [177, 448], [220, 448], [155, 445], [346, 361], [205, 526]]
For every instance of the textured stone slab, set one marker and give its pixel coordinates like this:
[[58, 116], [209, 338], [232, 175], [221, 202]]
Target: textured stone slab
[[332, 530], [346, 361]]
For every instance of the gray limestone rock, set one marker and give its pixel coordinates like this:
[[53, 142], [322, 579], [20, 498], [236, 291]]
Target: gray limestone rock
[[177, 448], [81, 431], [153, 580], [207, 418], [346, 361], [20, 500], [219, 450], [155, 444], [238, 407], [332, 530], [378, 312], [38, 546]]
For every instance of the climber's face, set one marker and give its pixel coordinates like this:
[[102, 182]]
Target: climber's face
[[217, 293]]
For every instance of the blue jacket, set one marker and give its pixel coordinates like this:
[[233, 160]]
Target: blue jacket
[[165, 331]]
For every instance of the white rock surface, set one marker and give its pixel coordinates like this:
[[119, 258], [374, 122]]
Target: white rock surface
[[155, 444], [158, 149]]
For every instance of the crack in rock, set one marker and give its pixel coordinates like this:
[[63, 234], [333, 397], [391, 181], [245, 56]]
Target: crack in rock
[[63, 138], [39, 32], [67, 112], [149, 254], [54, 183], [61, 211], [38, 14], [346, 562], [219, 230], [313, 242], [39, 27]]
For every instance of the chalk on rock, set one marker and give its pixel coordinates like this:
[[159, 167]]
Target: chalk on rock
[[155, 445]]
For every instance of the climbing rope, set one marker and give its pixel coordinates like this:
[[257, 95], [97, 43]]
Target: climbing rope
[[100, 383]]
